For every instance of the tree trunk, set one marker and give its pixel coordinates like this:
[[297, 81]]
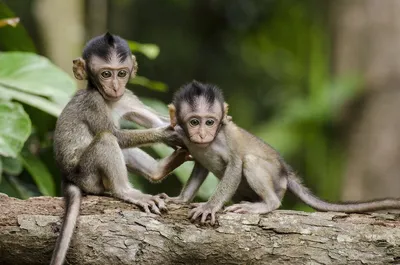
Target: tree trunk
[[366, 43], [113, 232], [61, 24]]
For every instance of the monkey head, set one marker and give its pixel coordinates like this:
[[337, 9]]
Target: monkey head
[[108, 64], [199, 109]]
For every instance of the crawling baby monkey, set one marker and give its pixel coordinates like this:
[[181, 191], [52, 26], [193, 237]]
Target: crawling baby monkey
[[250, 171]]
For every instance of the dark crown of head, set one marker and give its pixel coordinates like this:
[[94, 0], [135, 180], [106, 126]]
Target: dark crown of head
[[102, 46], [194, 90]]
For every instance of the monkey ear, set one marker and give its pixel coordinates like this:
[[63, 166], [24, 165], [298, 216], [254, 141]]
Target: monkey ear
[[135, 66], [79, 68], [172, 115], [226, 118]]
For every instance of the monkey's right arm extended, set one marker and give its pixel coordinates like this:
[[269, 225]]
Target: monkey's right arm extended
[[136, 138], [225, 190]]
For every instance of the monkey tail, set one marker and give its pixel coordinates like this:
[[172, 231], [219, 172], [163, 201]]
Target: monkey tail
[[295, 185], [73, 199]]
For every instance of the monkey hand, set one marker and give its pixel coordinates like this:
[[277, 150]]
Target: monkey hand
[[171, 137], [203, 210]]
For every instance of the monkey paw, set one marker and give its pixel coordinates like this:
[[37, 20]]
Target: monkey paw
[[203, 210], [172, 138], [152, 203]]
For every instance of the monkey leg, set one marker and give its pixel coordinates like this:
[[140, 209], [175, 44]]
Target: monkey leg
[[142, 163], [102, 168], [260, 174]]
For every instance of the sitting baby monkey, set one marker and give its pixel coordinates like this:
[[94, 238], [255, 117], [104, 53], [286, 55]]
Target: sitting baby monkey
[[250, 171]]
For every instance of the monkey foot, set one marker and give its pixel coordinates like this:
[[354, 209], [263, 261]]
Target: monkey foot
[[248, 207], [149, 203]]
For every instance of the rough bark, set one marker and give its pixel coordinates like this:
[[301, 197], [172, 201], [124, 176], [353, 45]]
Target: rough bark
[[366, 43], [113, 232]]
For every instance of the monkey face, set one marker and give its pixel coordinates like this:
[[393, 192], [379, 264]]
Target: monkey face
[[202, 130], [201, 121], [111, 75]]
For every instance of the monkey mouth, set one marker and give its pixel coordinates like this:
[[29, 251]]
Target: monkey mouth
[[201, 144], [114, 98]]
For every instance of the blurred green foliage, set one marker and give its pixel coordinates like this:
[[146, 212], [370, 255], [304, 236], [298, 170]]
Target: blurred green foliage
[[271, 58]]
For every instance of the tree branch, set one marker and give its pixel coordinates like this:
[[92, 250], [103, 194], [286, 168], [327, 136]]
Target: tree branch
[[113, 232]]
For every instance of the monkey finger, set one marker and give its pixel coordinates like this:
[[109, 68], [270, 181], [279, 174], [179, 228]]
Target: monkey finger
[[145, 207], [163, 195], [191, 212], [212, 218], [196, 214], [241, 210], [160, 203], [232, 208], [204, 217], [195, 204], [155, 210]]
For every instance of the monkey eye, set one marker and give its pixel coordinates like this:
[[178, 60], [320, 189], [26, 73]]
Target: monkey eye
[[106, 74], [122, 73], [210, 122], [194, 122]]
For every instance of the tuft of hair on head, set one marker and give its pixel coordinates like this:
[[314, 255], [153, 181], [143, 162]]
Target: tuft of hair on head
[[103, 45], [190, 92]]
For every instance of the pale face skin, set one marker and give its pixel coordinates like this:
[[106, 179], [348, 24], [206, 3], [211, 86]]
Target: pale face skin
[[202, 121], [112, 76]]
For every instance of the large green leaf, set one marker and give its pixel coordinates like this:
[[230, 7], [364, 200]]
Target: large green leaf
[[31, 73], [14, 38], [39, 173], [149, 50], [15, 127], [32, 100]]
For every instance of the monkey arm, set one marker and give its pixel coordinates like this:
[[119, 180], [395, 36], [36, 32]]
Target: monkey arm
[[140, 162], [225, 190], [136, 138], [228, 185], [197, 177]]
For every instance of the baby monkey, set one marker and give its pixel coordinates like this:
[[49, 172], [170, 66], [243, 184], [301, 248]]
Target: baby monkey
[[92, 151], [250, 171]]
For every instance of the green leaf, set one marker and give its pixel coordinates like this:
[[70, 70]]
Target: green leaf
[[39, 173], [32, 100], [34, 74], [153, 85], [12, 166], [15, 127], [14, 39], [151, 51]]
